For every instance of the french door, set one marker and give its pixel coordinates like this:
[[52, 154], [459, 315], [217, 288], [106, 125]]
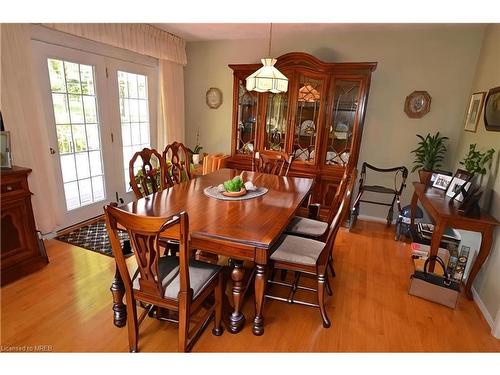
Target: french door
[[99, 112]]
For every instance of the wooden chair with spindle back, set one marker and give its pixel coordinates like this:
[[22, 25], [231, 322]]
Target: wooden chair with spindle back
[[180, 284], [272, 162], [178, 158], [149, 177], [308, 256]]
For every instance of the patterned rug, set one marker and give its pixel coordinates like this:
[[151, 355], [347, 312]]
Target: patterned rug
[[94, 237]]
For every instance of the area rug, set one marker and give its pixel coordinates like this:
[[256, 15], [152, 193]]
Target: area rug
[[94, 237]]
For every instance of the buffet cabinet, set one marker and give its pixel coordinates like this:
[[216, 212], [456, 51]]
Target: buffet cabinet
[[21, 251], [319, 120]]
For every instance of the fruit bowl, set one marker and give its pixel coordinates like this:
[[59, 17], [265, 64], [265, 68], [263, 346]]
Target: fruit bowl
[[242, 191]]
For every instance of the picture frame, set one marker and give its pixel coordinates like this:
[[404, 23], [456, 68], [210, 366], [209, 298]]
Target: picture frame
[[492, 110], [5, 153], [442, 181], [474, 111], [458, 185]]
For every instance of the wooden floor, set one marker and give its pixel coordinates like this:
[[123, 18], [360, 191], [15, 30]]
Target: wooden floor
[[68, 305]]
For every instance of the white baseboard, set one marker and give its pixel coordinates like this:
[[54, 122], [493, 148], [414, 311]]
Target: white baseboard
[[494, 324], [374, 219]]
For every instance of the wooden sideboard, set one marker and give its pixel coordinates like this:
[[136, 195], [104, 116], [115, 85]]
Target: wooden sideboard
[[21, 252], [319, 120]]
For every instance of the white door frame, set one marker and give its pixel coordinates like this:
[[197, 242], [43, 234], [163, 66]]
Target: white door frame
[[41, 52]]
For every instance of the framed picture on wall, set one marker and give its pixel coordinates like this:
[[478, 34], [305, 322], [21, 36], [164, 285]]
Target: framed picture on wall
[[5, 158], [492, 110], [474, 112]]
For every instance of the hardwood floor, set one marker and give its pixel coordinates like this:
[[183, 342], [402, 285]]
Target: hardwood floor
[[68, 305]]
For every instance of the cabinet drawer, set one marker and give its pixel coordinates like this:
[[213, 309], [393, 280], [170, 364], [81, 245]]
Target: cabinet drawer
[[12, 186]]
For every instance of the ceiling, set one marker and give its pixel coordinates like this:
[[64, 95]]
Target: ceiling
[[196, 32]]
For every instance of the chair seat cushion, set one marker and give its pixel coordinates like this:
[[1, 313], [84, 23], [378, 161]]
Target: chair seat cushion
[[303, 226], [300, 250], [200, 275]]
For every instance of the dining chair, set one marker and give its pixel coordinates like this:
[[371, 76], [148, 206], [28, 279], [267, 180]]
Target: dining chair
[[180, 284], [308, 256], [178, 158], [148, 173], [214, 162], [272, 162]]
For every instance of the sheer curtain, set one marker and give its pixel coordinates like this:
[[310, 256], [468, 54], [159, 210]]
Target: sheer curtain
[[21, 107]]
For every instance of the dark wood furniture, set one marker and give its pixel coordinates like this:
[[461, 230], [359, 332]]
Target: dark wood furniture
[[319, 121], [150, 168], [21, 251], [175, 283], [178, 158], [309, 256], [436, 203], [272, 162], [240, 230]]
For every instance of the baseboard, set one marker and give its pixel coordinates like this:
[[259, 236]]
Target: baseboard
[[494, 325], [374, 219]]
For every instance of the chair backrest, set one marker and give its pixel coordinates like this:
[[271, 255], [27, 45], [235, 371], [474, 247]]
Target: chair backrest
[[272, 162], [148, 173], [214, 162], [398, 185], [339, 194], [178, 158], [144, 232], [341, 212]]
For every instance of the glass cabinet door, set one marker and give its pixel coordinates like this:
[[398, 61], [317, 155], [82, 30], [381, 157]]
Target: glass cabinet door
[[276, 122], [247, 120], [342, 121], [307, 117]]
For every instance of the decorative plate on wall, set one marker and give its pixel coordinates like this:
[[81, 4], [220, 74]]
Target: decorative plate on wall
[[492, 110], [214, 97], [417, 104]]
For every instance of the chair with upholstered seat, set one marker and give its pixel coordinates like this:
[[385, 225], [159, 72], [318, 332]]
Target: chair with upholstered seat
[[178, 158], [316, 229], [148, 173], [272, 162], [308, 256], [179, 284]]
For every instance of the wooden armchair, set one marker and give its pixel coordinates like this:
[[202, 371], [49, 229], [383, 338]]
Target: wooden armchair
[[308, 256], [178, 158], [149, 177], [179, 283], [272, 162]]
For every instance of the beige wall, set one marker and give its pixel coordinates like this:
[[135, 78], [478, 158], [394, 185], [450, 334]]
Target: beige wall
[[487, 76], [439, 59]]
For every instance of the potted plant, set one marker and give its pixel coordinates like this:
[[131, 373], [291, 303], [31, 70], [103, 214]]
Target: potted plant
[[475, 161], [428, 155], [196, 150]]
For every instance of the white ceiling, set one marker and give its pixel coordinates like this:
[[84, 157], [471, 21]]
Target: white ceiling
[[195, 32]]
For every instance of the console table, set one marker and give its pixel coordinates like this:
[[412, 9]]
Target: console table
[[436, 203]]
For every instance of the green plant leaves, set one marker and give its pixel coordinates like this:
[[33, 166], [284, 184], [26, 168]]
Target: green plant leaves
[[475, 161], [430, 152]]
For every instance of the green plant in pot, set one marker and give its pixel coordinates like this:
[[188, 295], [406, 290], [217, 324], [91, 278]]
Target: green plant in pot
[[475, 161], [428, 155]]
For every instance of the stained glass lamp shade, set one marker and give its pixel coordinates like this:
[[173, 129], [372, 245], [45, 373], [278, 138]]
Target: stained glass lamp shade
[[267, 79]]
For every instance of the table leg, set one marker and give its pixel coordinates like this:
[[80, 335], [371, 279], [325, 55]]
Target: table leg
[[119, 308], [237, 319], [414, 201], [260, 285], [484, 251]]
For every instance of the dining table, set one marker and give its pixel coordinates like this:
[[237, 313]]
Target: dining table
[[242, 230]]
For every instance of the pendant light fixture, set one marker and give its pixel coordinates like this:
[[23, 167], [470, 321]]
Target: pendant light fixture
[[268, 78]]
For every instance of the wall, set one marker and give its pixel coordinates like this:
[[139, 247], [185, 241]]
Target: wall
[[487, 283], [437, 58]]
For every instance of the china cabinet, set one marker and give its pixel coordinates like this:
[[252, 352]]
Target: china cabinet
[[319, 120]]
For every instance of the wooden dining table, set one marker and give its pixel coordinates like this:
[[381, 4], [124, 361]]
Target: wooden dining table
[[242, 230]]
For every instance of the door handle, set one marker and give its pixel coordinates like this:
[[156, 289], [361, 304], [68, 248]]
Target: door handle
[[52, 151]]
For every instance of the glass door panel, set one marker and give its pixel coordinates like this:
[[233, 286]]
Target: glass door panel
[[307, 117], [276, 122], [247, 120], [134, 118], [340, 130], [74, 102]]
